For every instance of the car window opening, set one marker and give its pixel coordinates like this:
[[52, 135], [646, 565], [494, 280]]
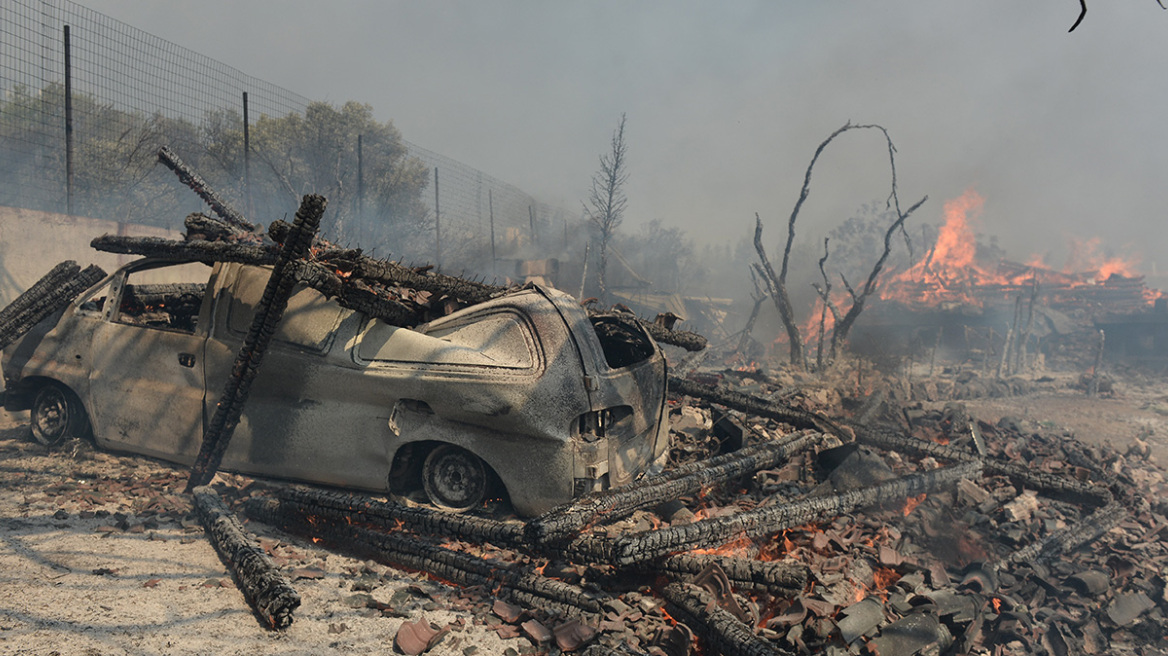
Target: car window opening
[[623, 344], [174, 306]]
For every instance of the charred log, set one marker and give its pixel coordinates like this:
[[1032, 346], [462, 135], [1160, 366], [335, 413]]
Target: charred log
[[719, 629], [773, 576], [268, 313], [564, 521], [392, 273], [198, 185], [51, 293], [522, 584], [194, 250], [259, 579], [752, 405], [687, 340], [343, 506], [201, 226], [356, 295], [1063, 487], [767, 520], [1070, 538]]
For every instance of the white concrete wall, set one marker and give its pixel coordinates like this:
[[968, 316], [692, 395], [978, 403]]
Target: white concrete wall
[[32, 243]]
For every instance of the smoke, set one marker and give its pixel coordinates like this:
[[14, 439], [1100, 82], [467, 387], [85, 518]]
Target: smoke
[[1060, 133]]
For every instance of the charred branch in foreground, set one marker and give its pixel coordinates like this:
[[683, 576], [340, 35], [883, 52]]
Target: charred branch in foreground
[[768, 520], [774, 576], [1070, 538], [258, 578], [344, 506], [522, 584], [201, 226], [268, 313], [719, 629], [355, 294], [356, 265], [687, 340], [50, 294], [569, 519], [752, 405], [198, 185], [193, 250], [1064, 487]]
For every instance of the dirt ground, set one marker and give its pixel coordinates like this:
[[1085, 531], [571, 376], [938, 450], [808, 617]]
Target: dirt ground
[[97, 559], [97, 555]]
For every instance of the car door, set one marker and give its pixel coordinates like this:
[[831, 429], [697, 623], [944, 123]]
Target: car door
[[311, 413], [147, 378]]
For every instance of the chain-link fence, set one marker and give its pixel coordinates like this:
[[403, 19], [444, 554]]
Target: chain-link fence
[[86, 101]]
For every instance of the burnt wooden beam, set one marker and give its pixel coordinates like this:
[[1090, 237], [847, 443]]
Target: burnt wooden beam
[[774, 576], [717, 628], [520, 583], [355, 294], [343, 506], [752, 405], [686, 339], [1061, 486], [568, 519], [268, 313], [198, 185], [1070, 538], [210, 228], [357, 265], [258, 578], [770, 519], [55, 290], [193, 250]]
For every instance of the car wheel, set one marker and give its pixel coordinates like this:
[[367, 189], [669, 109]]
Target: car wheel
[[57, 415], [454, 478]]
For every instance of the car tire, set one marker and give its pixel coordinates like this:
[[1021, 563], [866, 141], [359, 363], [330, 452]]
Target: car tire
[[455, 479], [57, 415]]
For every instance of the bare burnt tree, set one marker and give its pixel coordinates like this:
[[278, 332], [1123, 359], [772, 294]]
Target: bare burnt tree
[[606, 200], [778, 280]]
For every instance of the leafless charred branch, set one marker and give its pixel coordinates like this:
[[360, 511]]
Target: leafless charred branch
[[52, 292], [259, 579], [198, 185], [268, 313]]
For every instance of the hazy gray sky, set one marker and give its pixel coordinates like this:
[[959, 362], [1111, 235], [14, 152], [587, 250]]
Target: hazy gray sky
[[1063, 134]]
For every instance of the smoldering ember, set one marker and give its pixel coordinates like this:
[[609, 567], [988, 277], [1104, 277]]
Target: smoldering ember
[[558, 482]]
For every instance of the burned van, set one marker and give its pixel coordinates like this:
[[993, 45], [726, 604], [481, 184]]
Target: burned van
[[524, 395]]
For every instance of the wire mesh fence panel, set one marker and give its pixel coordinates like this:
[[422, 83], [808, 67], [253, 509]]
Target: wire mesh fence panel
[[86, 101]]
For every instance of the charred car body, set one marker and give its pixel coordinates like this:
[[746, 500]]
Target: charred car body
[[524, 390]]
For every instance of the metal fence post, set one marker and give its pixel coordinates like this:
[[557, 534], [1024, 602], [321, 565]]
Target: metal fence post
[[68, 125]]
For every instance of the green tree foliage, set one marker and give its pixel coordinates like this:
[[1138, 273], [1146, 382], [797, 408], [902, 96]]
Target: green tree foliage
[[116, 175], [317, 153]]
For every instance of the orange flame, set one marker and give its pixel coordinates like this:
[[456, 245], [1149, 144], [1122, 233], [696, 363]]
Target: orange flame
[[911, 503]]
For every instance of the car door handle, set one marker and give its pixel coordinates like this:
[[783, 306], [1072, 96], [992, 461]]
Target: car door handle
[[186, 359]]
